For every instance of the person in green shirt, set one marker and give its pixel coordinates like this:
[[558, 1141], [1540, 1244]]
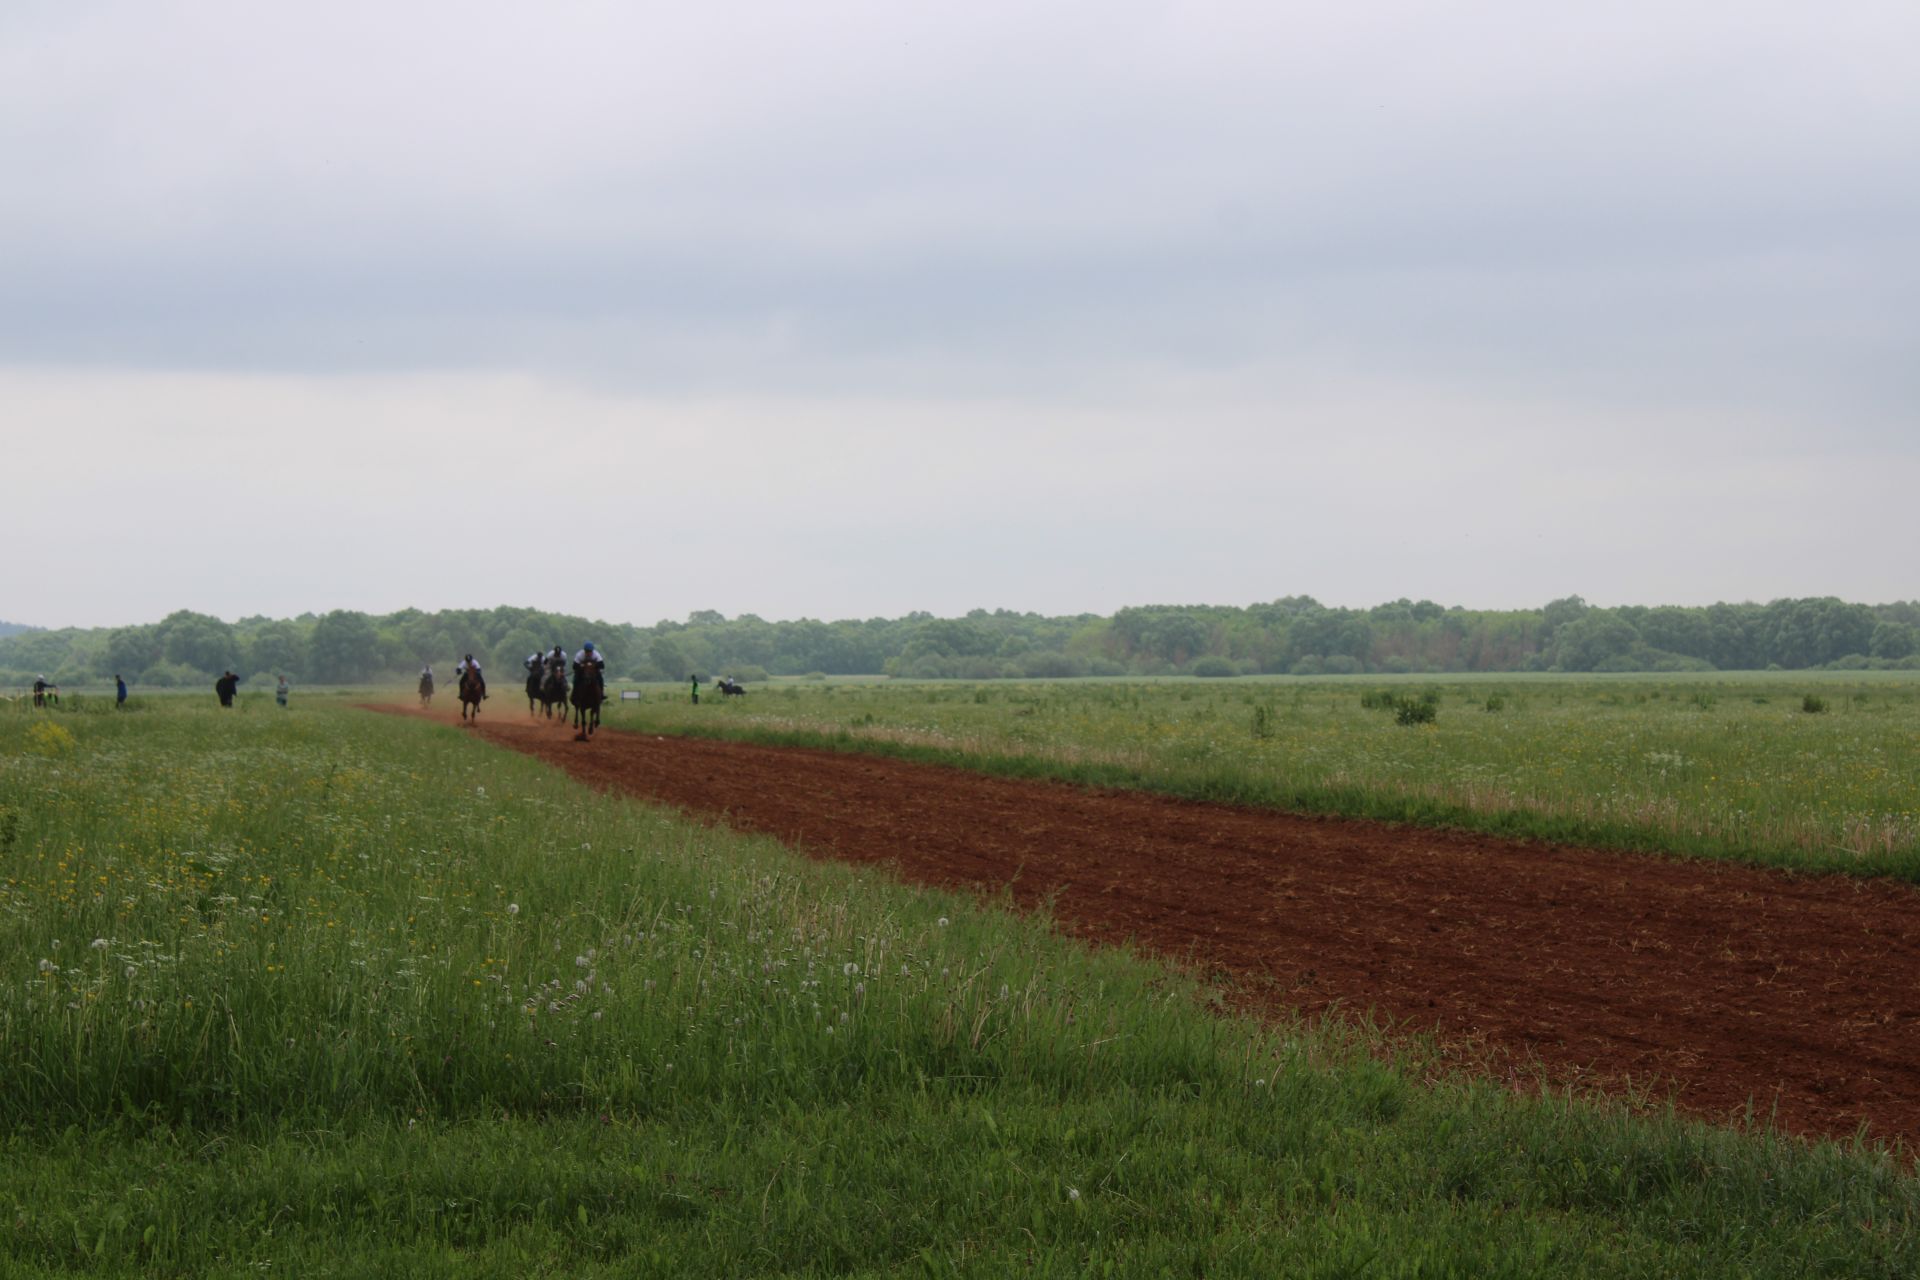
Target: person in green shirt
[[696, 690]]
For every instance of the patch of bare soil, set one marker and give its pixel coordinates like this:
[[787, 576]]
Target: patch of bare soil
[[1723, 984]]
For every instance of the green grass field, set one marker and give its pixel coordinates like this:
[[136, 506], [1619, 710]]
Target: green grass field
[[325, 993], [1731, 766]]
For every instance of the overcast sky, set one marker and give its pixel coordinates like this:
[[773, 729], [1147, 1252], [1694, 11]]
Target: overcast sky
[[850, 309]]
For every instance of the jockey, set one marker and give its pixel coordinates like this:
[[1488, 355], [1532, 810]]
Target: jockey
[[589, 657], [557, 660], [533, 660], [467, 664]]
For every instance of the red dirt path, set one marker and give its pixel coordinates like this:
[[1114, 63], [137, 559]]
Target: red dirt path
[[1721, 983]]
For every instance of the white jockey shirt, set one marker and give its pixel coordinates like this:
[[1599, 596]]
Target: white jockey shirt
[[583, 656]]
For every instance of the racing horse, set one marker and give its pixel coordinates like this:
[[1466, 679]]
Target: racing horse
[[534, 675], [426, 689], [589, 691], [472, 689], [553, 691], [731, 688]]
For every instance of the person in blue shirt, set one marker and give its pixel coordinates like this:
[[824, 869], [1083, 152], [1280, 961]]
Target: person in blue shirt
[[119, 692]]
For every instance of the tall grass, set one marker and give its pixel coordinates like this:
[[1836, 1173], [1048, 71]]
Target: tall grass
[[1726, 768], [328, 993]]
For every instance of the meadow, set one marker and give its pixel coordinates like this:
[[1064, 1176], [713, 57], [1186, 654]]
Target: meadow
[[330, 993], [1819, 771]]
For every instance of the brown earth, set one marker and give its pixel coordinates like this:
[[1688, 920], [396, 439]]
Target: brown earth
[[1717, 984]]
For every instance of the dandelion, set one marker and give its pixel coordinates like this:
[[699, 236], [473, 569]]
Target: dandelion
[[1073, 1193], [944, 922], [98, 944], [131, 972], [859, 990], [580, 962], [597, 1015], [46, 966], [849, 968], [843, 1017], [513, 908]]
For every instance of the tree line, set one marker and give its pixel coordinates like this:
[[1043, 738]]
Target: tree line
[[1295, 635]]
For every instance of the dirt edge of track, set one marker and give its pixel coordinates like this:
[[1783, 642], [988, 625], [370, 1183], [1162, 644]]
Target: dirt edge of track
[[1727, 987]]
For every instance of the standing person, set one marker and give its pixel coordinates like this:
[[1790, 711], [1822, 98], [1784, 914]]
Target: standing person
[[696, 688], [226, 686], [119, 692], [280, 694], [39, 691]]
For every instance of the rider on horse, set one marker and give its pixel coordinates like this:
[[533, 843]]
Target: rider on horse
[[467, 664], [588, 657]]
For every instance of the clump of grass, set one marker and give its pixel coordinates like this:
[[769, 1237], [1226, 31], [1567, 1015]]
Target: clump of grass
[[1813, 704]]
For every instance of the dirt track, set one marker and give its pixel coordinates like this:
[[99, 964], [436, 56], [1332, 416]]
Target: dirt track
[[1723, 983]]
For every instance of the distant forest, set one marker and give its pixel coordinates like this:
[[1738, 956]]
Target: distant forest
[[1292, 636]]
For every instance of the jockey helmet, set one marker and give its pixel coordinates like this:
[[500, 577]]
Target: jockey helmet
[[588, 646]]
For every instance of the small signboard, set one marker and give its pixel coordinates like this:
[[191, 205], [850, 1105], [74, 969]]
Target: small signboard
[[629, 694]]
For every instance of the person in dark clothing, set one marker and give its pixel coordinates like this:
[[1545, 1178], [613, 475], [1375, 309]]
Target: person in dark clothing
[[39, 691], [119, 692], [226, 686]]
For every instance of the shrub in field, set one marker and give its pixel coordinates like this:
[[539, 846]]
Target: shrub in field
[[1212, 667], [1262, 726], [1415, 711], [1494, 702], [1813, 704]]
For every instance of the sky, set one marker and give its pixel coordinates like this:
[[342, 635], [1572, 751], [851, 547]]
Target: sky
[[852, 309]]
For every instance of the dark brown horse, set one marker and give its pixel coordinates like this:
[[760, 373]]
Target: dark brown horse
[[553, 692], [472, 690], [534, 674], [426, 689], [589, 691]]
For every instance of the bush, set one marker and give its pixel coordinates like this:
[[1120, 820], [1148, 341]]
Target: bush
[[1342, 664], [1212, 668], [1415, 711], [1813, 705]]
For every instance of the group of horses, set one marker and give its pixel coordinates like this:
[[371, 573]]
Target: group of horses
[[547, 688]]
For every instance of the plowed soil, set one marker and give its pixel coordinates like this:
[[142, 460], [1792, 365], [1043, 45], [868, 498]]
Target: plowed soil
[[1719, 985]]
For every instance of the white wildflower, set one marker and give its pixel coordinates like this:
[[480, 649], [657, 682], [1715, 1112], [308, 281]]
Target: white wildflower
[[1073, 1193], [513, 908], [46, 966], [849, 968], [98, 944], [944, 922]]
